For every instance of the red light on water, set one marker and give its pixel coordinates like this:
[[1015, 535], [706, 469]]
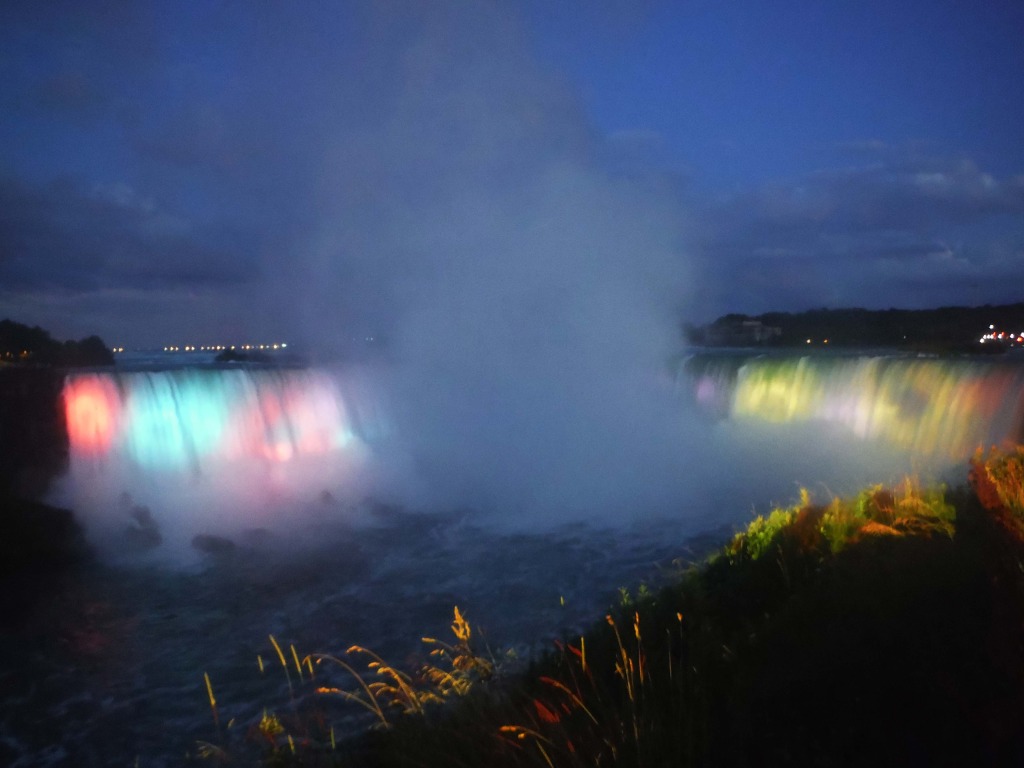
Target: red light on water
[[89, 405]]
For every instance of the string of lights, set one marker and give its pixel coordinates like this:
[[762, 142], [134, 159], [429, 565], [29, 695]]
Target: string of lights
[[216, 347]]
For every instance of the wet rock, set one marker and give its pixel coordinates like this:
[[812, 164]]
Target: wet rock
[[34, 444], [37, 536], [217, 546], [142, 533]]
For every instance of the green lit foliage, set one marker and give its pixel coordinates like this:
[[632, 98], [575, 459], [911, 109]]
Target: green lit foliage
[[760, 534], [878, 511], [875, 511]]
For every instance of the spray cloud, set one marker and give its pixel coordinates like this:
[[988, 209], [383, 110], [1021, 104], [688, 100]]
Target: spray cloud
[[527, 296]]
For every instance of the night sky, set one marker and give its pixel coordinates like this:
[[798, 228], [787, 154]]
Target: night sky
[[215, 172]]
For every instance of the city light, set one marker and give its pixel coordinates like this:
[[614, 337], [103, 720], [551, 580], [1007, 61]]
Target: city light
[[219, 347], [1008, 338]]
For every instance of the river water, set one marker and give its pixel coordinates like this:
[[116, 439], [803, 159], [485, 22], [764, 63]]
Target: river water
[[107, 667]]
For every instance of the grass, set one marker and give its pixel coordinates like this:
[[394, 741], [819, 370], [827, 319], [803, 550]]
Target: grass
[[302, 732], [883, 629]]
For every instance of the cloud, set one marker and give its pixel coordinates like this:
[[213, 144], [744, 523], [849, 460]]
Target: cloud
[[455, 200], [66, 238], [426, 158], [76, 63], [904, 229], [349, 163], [904, 195], [71, 93]]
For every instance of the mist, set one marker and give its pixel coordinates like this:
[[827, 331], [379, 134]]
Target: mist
[[527, 299], [436, 199]]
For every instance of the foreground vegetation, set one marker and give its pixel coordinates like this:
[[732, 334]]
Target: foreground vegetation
[[886, 629]]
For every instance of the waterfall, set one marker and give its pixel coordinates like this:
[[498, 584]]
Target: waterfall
[[169, 419], [157, 458], [928, 407], [167, 455]]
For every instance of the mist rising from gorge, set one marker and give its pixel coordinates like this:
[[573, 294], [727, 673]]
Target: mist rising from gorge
[[437, 189], [527, 296]]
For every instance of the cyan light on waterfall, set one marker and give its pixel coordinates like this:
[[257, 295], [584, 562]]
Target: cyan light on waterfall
[[173, 418], [169, 422], [212, 451], [928, 407]]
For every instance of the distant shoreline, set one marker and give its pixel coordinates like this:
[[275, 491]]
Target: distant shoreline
[[947, 330]]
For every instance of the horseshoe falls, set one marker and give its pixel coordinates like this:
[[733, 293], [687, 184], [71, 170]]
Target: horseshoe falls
[[158, 458]]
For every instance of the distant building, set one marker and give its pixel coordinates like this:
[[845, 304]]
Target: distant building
[[740, 333]]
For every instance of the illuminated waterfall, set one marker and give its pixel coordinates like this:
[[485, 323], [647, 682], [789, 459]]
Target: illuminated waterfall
[[171, 419], [213, 451], [929, 407], [226, 451]]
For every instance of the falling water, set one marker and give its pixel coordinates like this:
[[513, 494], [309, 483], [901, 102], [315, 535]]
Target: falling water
[[229, 452], [943, 408], [164, 456]]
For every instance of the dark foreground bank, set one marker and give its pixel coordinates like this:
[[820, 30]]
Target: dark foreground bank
[[887, 629]]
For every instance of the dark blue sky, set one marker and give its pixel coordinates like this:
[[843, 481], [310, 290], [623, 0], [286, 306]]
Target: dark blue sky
[[221, 171]]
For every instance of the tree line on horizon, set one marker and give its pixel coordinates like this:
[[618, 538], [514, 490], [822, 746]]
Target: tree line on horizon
[[32, 345], [942, 329]]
